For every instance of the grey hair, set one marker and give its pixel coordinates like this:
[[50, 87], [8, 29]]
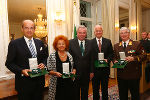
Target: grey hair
[[124, 28], [98, 26], [81, 26]]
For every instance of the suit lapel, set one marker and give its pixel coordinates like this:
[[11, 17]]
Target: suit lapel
[[37, 46], [129, 47], [95, 45], [103, 44], [76, 43], [86, 45], [25, 46]]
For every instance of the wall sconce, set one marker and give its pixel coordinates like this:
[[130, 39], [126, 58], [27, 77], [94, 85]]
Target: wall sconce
[[59, 17], [133, 28], [116, 26]]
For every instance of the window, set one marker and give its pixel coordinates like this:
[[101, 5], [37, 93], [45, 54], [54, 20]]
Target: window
[[86, 16]]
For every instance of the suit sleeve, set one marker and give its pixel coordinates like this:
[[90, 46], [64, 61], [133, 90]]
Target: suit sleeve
[[70, 51], [44, 55], [140, 55], [110, 52], [10, 61]]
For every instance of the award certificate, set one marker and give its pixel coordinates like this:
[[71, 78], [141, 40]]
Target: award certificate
[[122, 55], [33, 63], [65, 68]]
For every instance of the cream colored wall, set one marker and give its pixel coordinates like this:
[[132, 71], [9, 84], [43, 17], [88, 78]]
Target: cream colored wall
[[15, 28], [146, 20]]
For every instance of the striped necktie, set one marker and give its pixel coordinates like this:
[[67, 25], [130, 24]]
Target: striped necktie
[[32, 49]]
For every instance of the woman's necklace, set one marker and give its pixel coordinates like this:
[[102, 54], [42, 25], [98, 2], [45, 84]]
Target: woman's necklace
[[62, 56]]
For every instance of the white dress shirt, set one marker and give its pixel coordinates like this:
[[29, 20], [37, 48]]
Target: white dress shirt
[[27, 42]]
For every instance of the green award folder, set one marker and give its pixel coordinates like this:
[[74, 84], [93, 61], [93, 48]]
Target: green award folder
[[37, 72], [70, 75], [120, 64], [100, 63]]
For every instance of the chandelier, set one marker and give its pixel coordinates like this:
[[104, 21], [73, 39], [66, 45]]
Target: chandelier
[[40, 26]]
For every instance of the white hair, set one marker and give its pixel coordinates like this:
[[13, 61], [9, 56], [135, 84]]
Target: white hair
[[81, 26], [98, 26], [124, 28]]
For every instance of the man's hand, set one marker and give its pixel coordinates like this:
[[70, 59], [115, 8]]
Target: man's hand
[[129, 58], [106, 60], [73, 71], [115, 61], [41, 66], [25, 72], [91, 76]]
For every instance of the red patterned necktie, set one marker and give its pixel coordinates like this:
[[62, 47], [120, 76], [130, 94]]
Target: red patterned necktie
[[99, 45]]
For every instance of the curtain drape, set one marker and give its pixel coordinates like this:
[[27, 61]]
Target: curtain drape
[[66, 27], [4, 36], [108, 19], [108, 23]]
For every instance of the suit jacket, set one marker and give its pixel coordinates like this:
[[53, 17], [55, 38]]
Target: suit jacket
[[146, 45], [17, 60], [133, 69], [81, 63], [107, 49]]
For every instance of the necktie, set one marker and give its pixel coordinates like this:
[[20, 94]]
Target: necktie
[[99, 45], [124, 45], [81, 47], [32, 49]]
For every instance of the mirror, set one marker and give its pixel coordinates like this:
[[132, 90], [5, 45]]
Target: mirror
[[19, 10], [123, 17]]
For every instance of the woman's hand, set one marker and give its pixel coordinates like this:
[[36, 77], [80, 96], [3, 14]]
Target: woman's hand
[[58, 74], [55, 73], [115, 61]]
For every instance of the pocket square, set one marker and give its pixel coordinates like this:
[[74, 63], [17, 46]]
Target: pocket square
[[41, 48]]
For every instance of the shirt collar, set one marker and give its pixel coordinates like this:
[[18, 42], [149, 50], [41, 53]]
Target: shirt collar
[[98, 40], [80, 41], [27, 39], [125, 42]]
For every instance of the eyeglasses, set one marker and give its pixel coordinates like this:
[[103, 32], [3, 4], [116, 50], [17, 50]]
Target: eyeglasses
[[124, 32], [82, 32], [28, 28], [98, 31]]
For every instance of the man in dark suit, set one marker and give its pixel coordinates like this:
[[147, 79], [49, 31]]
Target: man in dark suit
[[101, 74], [129, 76], [146, 44], [80, 49], [17, 61], [144, 39]]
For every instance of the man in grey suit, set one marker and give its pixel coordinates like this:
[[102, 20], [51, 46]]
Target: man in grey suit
[[80, 49]]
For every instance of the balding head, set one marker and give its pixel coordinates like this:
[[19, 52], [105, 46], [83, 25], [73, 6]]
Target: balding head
[[98, 31], [28, 28], [27, 21]]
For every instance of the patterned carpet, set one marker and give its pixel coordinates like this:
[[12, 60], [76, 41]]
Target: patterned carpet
[[112, 93]]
